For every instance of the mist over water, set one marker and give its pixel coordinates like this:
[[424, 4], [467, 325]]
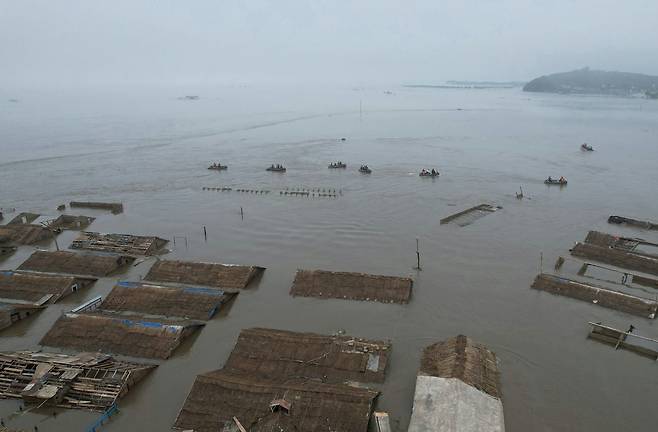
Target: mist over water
[[150, 151]]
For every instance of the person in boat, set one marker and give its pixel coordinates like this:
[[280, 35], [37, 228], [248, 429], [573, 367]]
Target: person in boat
[[434, 172], [562, 179], [550, 179]]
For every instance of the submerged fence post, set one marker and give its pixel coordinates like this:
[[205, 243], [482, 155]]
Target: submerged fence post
[[241, 213], [417, 257]]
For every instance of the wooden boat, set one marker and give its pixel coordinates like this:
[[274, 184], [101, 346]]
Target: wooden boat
[[365, 170], [555, 182], [276, 169], [587, 147], [218, 167], [335, 165], [428, 174], [632, 222]]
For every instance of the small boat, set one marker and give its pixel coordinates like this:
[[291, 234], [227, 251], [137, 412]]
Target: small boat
[[426, 173], [364, 169], [550, 181], [587, 147], [335, 165], [276, 168], [217, 167]]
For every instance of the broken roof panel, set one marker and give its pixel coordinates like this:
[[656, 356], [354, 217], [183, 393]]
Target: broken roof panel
[[74, 263], [470, 215], [119, 243], [86, 380], [114, 333], [217, 397], [22, 234], [201, 273], [184, 302], [38, 288], [334, 359], [351, 286]]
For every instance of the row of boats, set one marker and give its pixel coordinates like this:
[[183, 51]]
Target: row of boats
[[364, 169]]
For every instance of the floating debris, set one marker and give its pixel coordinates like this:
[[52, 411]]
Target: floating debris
[[351, 286], [470, 215], [457, 389], [119, 243], [226, 276], [595, 294], [76, 264], [90, 381]]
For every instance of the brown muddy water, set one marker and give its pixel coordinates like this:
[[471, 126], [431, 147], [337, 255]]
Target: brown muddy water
[[151, 153]]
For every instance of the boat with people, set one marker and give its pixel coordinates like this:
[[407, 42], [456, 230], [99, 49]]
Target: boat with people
[[364, 169], [429, 173], [551, 181], [339, 164], [586, 147], [217, 166], [276, 168]]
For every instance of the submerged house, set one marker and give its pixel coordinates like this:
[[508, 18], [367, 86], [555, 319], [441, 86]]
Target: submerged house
[[90, 381], [135, 335], [38, 288], [457, 389], [201, 273], [167, 301], [126, 244], [24, 234], [351, 286], [11, 313], [276, 380], [74, 263]]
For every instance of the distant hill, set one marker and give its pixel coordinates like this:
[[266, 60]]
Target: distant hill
[[587, 81]]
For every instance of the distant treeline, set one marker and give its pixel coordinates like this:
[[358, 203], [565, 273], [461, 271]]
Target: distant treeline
[[587, 81]]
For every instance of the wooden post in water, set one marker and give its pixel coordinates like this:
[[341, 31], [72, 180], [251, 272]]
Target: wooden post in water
[[205, 233], [417, 257], [241, 213], [541, 262]]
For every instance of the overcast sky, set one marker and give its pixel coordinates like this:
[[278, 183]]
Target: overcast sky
[[134, 42]]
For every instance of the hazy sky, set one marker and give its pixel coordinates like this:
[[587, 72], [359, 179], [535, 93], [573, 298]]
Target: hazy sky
[[133, 42]]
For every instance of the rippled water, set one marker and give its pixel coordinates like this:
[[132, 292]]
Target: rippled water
[[150, 152]]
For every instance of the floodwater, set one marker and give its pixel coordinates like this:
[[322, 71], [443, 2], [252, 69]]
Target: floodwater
[[151, 151]]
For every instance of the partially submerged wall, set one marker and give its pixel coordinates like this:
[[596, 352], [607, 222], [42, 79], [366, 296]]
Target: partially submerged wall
[[615, 257], [595, 294]]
